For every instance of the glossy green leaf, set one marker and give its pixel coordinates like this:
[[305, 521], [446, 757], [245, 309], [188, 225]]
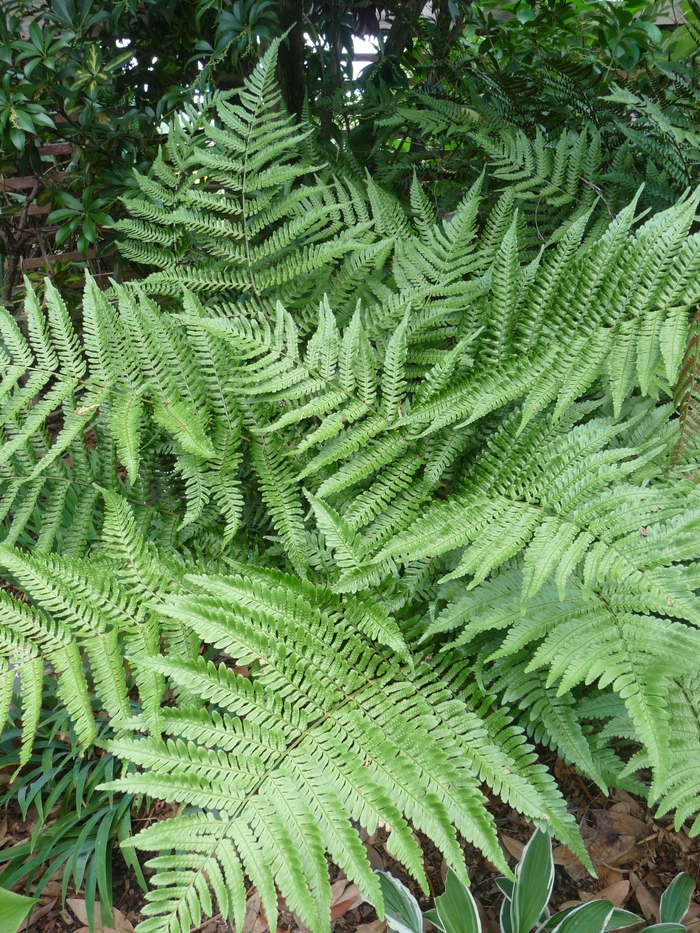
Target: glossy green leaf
[[557, 918], [665, 928], [506, 886], [63, 213], [676, 899], [14, 910], [588, 918], [534, 880], [63, 233], [69, 200], [433, 917], [17, 136], [619, 919], [456, 908], [401, 909], [506, 923], [24, 121]]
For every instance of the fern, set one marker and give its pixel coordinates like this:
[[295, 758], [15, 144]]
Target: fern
[[686, 391], [553, 126], [328, 757], [377, 500], [228, 219]]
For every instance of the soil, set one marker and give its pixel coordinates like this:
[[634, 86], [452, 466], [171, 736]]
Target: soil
[[635, 855]]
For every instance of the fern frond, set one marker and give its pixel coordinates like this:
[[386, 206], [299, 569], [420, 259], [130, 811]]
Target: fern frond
[[303, 730], [686, 392]]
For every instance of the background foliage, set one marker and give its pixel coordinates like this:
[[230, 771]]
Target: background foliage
[[91, 84]]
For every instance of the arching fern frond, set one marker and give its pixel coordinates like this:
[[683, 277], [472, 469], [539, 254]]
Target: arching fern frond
[[242, 217], [318, 750]]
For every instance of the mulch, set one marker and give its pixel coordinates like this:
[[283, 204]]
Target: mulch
[[636, 857]]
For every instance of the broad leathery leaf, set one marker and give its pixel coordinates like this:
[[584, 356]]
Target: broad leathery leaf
[[401, 910], [456, 908], [433, 917], [14, 909], [505, 886], [666, 928], [534, 880], [557, 918], [588, 918], [676, 899], [619, 919], [506, 926]]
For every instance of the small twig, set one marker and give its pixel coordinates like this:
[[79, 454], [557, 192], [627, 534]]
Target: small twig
[[585, 789], [204, 923], [599, 192], [42, 247]]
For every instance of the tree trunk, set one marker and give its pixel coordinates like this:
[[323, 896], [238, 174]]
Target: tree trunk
[[444, 37], [291, 56], [405, 18]]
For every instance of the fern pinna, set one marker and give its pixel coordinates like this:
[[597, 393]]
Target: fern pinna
[[333, 541]]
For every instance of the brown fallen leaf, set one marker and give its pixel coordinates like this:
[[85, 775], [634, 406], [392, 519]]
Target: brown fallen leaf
[[626, 824], [376, 926], [50, 889], [493, 923], [573, 866], [608, 876], [375, 860], [647, 903], [634, 807], [561, 769], [653, 881], [120, 923], [77, 905], [351, 898], [486, 921], [253, 922], [606, 843], [611, 841], [615, 893], [513, 846], [570, 904], [337, 889], [564, 856], [623, 806], [41, 910]]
